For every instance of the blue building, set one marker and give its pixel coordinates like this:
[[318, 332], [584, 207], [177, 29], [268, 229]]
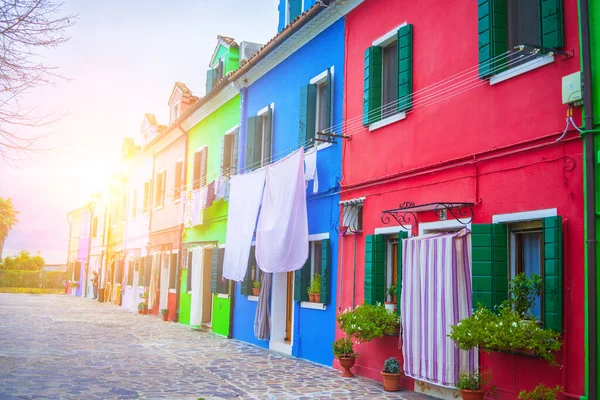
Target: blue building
[[292, 90]]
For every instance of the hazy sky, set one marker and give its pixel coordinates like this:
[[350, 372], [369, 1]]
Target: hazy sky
[[122, 60]]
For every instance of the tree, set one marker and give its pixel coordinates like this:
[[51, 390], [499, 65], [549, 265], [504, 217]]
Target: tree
[[8, 219], [27, 27]]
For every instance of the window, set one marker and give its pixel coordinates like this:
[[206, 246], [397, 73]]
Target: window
[[388, 84], [218, 284], [134, 203], [161, 180], [504, 25], [258, 143], [130, 265], [188, 265], [173, 271], [391, 273], [352, 215], [253, 274], [174, 112], [200, 159], [178, 180], [293, 9], [95, 227], [526, 243], [319, 262], [315, 108], [229, 153], [315, 257], [147, 195]]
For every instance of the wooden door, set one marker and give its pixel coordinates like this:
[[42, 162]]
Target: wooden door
[[288, 306]]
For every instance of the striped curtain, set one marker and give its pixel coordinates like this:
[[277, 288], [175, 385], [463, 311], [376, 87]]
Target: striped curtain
[[436, 294], [262, 319]]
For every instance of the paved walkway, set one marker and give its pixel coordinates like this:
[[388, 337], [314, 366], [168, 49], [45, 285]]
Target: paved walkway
[[54, 346]]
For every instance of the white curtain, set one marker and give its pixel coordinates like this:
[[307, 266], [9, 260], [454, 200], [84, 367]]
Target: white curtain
[[196, 306], [436, 294]]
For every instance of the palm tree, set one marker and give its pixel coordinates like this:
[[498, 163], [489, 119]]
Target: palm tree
[[8, 219]]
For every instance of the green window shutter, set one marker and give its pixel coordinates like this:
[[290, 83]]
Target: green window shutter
[[374, 269], [552, 275], [405, 67], [329, 91], [372, 88], [551, 22], [253, 142], [490, 264], [234, 161], [211, 79], [248, 282], [268, 137], [295, 9], [214, 271], [325, 271], [308, 110], [188, 283], [301, 281], [401, 236], [148, 270], [223, 284], [493, 36]]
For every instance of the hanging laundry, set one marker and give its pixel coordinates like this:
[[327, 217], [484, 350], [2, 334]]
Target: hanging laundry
[[221, 187], [196, 303], [262, 318], [187, 201], [282, 232], [196, 208], [246, 196], [310, 174], [209, 197]]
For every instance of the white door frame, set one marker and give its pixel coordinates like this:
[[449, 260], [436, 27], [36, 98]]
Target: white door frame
[[278, 310]]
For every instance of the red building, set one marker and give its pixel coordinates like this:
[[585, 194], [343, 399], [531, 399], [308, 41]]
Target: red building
[[442, 111]]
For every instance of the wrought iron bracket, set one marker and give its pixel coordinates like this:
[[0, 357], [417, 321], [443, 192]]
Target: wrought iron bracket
[[406, 215]]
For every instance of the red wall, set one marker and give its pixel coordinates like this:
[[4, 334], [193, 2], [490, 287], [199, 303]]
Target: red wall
[[492, 145], [171, 305]]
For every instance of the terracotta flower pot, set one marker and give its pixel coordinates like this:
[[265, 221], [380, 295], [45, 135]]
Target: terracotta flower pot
[[311, 297], [526, 352], [472, 394], [317, 297], [165, 317], [347, 363], [391, 382], [140, 311], [255, 291]]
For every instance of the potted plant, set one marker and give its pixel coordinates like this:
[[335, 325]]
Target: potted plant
[[74, 285], [391, 292], [144, 295], [523, 293], [392, 374], [471, 385], [256, 288], [142, 307], [541, 392], [343, 349], [316, 287], [367, 322], [165, 314]]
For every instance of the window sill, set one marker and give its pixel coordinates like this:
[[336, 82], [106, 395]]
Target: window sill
[[158, 208], [222, 296], [314, 306], [253, 298], [521, 69], [387, 121], [172, 290]]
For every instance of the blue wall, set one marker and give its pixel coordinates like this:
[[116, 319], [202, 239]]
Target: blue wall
[[314, 330]]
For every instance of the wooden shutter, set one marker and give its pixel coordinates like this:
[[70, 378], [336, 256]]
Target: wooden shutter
[[234, 150], [188, 281], [173, 268], [295, 9], [405, 67], [197, 170], [148, 270], [308, 114], [325, 271], [142, 271], [211, 79], [253, 142], [551, 23], [490, 264], [493, 36], [372, 85], [223, 284], [215, 276], [401, 236], [203, 166], [248, 282], [552, 274], [268, 137], [302, 280], [226, 154], [375, 269]]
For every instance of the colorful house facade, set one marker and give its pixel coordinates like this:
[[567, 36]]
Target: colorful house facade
[[287, 97], [439, 143]]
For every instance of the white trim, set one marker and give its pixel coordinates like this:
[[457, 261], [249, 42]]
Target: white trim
[[521, 69], [265, 109], [253, 298], [200, 149], [233, 130], [318, 236], [525, 216], [221, 246], [222, 296], [388, 37], [387, 121], [428, 227], [322, 77], [314, 306], [172, 290], [323, 146], [388, 230], [280, 347], [212, 105]]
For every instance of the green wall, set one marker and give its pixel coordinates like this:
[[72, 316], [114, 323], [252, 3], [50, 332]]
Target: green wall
[[209, 132], [185, 300]]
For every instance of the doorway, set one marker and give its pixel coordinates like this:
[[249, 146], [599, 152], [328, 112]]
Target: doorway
[[282, 312], [289, 303], [164, 282]]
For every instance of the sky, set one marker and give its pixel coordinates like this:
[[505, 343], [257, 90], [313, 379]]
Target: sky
[[121, 62]]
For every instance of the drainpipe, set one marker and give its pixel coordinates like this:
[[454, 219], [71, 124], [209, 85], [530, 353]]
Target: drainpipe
[[89, 249], [354, 279], [181, 247], [590, 172]]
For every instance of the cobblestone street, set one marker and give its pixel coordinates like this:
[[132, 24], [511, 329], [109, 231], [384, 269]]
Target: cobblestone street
[[54, 346]]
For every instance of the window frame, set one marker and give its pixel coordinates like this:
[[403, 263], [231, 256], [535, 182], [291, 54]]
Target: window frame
[[234, 153], [161, 180], [264, 113], [318, 80], [196, 186], [178, 187]]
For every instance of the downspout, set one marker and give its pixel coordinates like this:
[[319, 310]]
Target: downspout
[[89, 250], [181, 247], [590, 173]]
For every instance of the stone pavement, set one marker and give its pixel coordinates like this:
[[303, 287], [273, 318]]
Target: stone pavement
[[62, 347]]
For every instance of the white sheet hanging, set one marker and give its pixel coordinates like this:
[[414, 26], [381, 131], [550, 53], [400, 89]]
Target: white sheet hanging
[[245, 195], [282, 232], [196, 304], [310, 174]]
